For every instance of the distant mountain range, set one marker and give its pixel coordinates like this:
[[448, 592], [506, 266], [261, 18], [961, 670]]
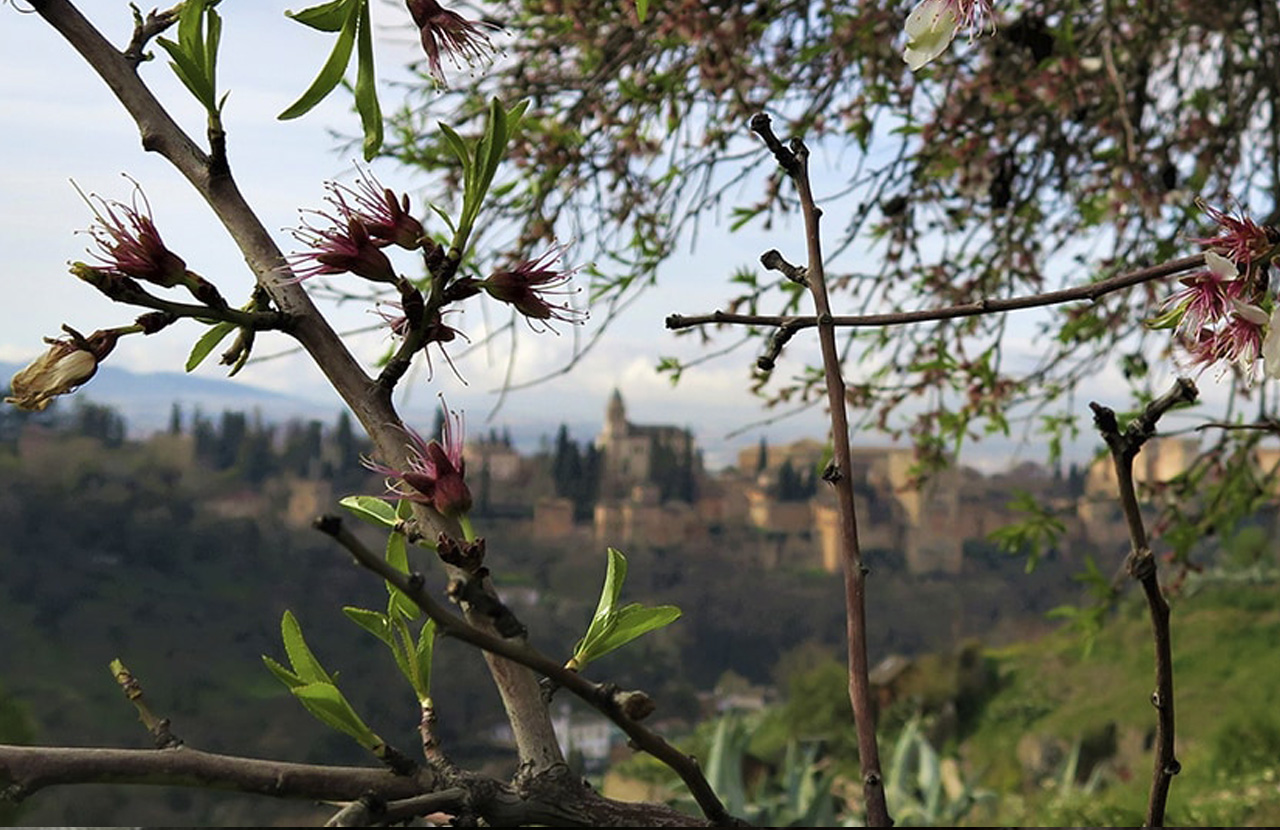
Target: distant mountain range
[[145, 400]]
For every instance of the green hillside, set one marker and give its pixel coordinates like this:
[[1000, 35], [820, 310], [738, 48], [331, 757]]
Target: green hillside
[[1226, 647]]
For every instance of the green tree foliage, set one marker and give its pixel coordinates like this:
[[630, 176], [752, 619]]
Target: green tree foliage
[[674, 469], [795, 485], [100, 422], [576, 472]]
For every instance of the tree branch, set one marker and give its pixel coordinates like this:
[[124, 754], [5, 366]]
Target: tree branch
[[1141, 565], [1092, 292], [28, 769], [603, 697], [795, 162], [370, 403]]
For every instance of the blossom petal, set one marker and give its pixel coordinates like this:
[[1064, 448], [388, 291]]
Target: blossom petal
[[1271, 347], [1220, 265], [930, 28]]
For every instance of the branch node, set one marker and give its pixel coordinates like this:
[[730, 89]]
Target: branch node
[[774, 261], [143, 30], [1141, 564], [786, 159]]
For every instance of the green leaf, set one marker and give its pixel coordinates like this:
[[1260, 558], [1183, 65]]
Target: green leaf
[[189, 28], [448, 221], [371, 509], [212, 41], [642, 9], [332, 71], [459, 146], [285, 676], [305, 664], [207, 343], [375, 622], [425, 654], [742, 216], [402, 647], [366, 89], [332, 709], [633, 621], [613, 627], [615, 574], [188, 70], [194, 57], [326, 17], [398, 558]]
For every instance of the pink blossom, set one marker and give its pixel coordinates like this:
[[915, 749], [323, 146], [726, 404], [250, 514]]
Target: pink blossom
[[384, 215], [447, 33], [932, 25], [1205, 298], [1239, 238], [130, 244], [528, 285], [436, 474], [346, 247]]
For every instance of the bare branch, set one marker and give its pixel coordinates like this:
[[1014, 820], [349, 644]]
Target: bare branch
[[1091, 292], [795, 162], [1141, 565], [30, 769]]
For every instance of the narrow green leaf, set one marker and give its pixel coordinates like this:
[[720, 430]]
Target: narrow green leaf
[[459, 147], [515, 115], [398, 558], [326, 17], [371, 509], [642, 9], [493, 143], [285, 676], [398, 553], [305, 664], [189, 21], [207, 342], [406, 652], [331, 73], [631, 622], [606, 608], [212, 40], [375, 622], [426, 653], [332, 709], [190, 70], [447, 219], [366, 89], [615, 574]]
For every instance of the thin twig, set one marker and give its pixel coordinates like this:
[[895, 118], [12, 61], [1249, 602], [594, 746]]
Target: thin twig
[[1092, 292], [1141, 565], [795, 162], [157, 726]]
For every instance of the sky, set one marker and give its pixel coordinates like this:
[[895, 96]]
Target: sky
[[59, 125]]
